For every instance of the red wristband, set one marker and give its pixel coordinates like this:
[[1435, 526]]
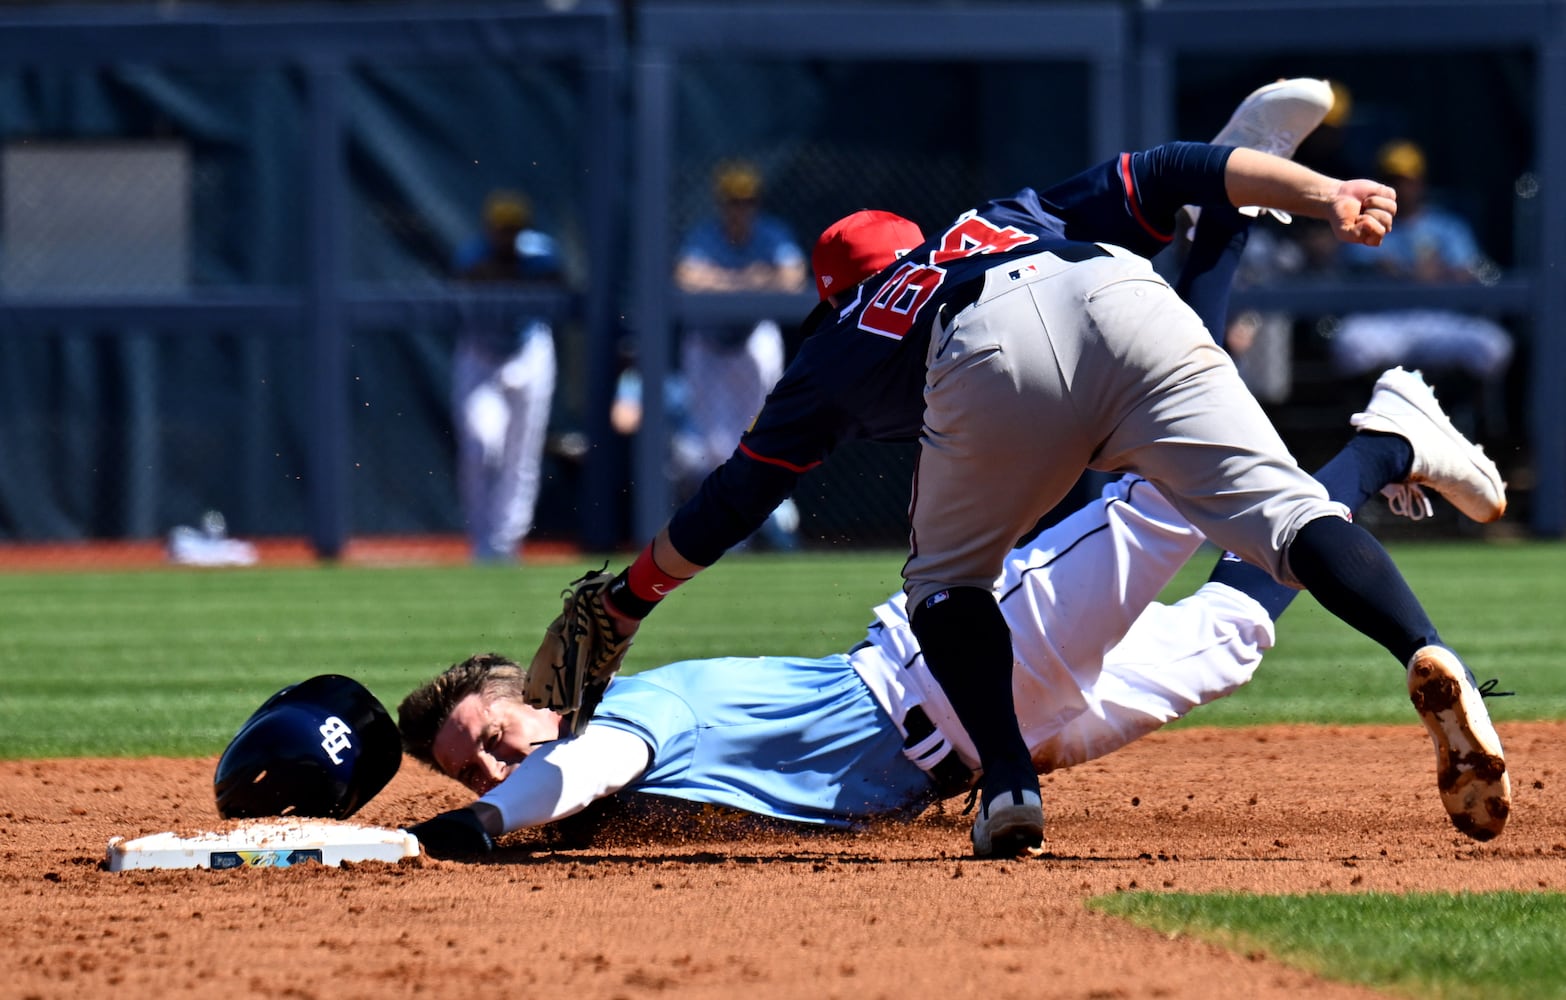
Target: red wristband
[[645, 580]]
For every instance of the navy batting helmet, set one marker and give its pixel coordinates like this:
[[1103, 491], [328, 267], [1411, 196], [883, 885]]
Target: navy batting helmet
[[322, 747]]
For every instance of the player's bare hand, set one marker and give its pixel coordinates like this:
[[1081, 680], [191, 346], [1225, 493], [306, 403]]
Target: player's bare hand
[[1362, 212]]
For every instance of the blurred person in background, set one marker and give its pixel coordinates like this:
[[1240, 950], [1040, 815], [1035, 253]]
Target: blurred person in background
[[727, 370], [503, 380], [1262, 342], [1465, 356]]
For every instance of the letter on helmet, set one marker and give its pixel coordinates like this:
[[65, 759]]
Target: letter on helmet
[[322, 747]]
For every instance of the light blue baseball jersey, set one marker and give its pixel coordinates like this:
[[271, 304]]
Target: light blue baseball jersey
[[793, 738]]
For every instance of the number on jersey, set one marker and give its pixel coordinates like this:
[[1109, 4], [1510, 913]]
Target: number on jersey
[[896, 306], [971, 236]]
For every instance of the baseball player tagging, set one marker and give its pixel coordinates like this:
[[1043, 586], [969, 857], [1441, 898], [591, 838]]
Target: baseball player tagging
[[839, 739], [1018, 355]]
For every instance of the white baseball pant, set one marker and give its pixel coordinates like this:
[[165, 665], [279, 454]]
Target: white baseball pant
[[502, 415], [1098, 662]]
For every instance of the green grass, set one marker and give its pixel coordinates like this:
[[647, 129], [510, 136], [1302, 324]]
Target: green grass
[[171, 661], [1500, 945], [1502, 606]]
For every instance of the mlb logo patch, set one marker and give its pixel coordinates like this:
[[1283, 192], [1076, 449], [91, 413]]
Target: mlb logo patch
[[1023, 272]]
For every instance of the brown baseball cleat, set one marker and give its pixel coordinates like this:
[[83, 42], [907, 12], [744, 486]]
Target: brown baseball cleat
[[1470, 767]]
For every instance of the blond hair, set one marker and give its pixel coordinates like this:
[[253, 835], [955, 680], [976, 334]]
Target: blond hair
[[425, 710]]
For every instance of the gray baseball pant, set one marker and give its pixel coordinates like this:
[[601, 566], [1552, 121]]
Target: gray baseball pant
[[1063, 366]]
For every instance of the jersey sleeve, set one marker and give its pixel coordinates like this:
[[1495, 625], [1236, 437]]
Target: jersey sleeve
[[1132, 199], [664, 722], [564, 778], [1160, 180], [640, 730], [734, 500]]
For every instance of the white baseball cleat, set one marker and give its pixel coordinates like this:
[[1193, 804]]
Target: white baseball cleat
[[1444, 460], [1276, 119], [1011, 825], [1470, 767]]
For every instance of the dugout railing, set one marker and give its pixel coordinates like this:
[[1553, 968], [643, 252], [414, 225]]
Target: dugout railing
[[1042, 88]]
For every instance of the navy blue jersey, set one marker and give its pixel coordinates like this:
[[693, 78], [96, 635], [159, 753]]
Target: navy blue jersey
[[860, 373]]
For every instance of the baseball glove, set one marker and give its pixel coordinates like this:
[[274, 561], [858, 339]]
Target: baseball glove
[[580, 653]]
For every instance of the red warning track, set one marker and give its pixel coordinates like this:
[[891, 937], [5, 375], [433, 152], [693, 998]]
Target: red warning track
[[411, 550]]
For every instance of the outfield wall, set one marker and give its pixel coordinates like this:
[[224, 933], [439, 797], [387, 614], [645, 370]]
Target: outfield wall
[[269, 331]]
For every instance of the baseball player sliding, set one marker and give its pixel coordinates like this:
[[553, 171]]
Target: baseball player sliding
[[869, 733]]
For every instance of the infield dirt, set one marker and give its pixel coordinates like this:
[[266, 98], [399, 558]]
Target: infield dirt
[[700, 909]]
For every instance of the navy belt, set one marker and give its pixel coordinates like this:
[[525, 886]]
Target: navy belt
[[967, 293], [950, 775]]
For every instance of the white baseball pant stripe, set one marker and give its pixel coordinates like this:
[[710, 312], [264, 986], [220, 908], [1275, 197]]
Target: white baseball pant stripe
[[1097, 662]]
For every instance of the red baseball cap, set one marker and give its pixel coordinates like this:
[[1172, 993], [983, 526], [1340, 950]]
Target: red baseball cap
[[857, 246]]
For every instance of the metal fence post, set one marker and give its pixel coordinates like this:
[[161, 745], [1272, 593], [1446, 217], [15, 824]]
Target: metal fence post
[[605, 206], [1548, 374], [653, 317], [328, 351]]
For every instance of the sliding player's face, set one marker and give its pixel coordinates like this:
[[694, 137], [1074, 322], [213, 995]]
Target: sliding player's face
[[482, 741]]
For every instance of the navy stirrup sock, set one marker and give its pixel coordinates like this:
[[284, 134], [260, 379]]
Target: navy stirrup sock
[[967, 646], [1351, 477], [1368, 462], [1347, 570]]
